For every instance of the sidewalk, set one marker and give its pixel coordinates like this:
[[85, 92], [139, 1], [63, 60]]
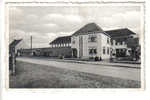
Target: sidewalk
[[104, 63]]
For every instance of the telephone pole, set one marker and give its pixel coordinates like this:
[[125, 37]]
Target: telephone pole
[[31, 46], [31, 42]]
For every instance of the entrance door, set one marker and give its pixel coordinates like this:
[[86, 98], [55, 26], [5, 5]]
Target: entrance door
[[74, 53]]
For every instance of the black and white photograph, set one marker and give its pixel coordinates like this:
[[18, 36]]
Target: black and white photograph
[[75, 46]]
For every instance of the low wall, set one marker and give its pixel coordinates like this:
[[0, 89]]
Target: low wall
[[49, 52]]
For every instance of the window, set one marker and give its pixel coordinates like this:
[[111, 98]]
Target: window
[[92, 51], [121, 43], [107, 40], [103, 50], [108, 50], [73, 42], [111, 42], [92, 38], [116, 43]]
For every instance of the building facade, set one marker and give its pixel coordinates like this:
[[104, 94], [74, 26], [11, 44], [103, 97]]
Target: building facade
[[91, 41]]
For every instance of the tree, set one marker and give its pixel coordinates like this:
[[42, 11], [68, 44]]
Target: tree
[[133, 43]]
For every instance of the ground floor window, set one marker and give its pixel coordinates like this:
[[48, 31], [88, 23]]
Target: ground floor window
[[103, 50], [92, 51], [108, 50], [120, 52]]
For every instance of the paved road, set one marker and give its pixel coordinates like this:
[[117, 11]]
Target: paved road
[[120, 72]]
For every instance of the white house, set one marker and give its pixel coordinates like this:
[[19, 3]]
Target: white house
[[119, 41], [92, 41]]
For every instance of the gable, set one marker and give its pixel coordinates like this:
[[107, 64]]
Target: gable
[[90, 28]]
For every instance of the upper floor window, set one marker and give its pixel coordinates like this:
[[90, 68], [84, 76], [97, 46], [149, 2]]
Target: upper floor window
[[108, 41], [116, 43], [121, 43], [73, 42], [111, 42], [92, 38]]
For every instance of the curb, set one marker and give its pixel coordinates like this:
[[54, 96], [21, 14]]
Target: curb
[[98, 64], [82, 62]]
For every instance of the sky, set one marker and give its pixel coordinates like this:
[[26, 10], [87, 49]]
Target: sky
[[45, 23]]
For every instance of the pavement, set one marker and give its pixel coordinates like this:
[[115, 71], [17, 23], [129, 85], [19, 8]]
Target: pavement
[[105, 63], [123, 71]]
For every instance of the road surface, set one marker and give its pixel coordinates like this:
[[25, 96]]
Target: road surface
[[119, 72]]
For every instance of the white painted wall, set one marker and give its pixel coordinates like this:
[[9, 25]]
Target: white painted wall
[[76, 44], [94, 45], [100, 42], [105, 44], [85, 46], [119, 46]]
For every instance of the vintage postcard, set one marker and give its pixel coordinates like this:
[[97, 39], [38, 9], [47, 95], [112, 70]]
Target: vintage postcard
[[75, 45]]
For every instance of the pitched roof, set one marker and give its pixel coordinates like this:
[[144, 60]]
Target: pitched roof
[[14, 43], [64, 39], [88, 29], [120, 32]]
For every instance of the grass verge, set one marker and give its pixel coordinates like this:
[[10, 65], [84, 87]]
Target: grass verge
[[40, 76]]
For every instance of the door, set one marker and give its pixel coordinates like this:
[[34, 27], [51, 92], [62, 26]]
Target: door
[[74, 53]]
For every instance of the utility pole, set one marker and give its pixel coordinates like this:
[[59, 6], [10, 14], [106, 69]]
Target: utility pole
[[31, 46], [31, 42]]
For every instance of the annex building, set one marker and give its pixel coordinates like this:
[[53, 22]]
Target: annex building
[[92, 41]]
